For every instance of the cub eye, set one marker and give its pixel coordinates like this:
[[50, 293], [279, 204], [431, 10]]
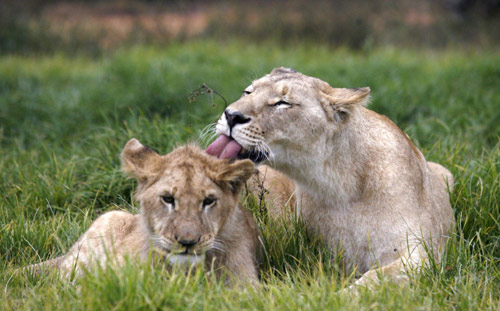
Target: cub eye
[[282, 103], [208, 201], [168, 199], [245, 93]]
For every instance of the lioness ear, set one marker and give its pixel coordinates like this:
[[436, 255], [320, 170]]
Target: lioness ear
[[339, 102], [139, 161], [235, 174]]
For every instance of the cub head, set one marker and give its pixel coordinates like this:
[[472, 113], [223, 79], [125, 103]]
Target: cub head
[[186, 197], [283, 112]]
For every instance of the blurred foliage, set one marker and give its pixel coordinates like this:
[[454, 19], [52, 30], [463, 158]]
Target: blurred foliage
[[90, 27]]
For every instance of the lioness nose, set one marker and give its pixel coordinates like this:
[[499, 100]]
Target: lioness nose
[[235, 117], [187, 243]]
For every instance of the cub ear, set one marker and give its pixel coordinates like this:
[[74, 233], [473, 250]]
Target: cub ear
[[139, 161], [235, 174], [282, 70], [339, 102]]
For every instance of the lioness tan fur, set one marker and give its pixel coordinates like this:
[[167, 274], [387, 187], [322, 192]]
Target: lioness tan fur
[[273, 190], [189, 214], [360, 182]]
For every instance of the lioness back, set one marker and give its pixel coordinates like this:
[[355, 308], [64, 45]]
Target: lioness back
[[189, 215]]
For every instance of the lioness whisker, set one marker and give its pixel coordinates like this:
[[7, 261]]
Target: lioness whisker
[[207, 129], [266, 151], [207, 134]]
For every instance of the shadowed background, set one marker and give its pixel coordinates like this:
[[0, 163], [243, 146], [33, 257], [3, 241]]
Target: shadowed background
[[91, 26]]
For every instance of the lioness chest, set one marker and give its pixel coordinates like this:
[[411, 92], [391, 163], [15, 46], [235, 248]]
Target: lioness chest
[[364, 239]]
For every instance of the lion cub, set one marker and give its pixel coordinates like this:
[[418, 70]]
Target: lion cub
[[189, 215]]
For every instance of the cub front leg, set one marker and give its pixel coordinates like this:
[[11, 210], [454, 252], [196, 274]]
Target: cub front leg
[[243, 267]]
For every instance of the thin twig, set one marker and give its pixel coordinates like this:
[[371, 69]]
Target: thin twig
[[205, 89]]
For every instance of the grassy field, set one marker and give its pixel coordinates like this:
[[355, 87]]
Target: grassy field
[[64, 120]]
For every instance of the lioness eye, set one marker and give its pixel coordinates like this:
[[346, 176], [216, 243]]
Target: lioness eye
[[282, 103], [208, 201], [168, 199]]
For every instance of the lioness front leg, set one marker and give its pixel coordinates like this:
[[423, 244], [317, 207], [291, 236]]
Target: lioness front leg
[[395, 271]]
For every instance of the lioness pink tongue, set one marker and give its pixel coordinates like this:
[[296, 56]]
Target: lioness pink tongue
[[231, 150], [224, 148], [218, 145]]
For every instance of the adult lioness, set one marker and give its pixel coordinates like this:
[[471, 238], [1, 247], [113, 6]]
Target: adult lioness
[[360, 182], [189, 214]]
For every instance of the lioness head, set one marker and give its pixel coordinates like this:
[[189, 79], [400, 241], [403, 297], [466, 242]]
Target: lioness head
[[282, 112], [186, 197]]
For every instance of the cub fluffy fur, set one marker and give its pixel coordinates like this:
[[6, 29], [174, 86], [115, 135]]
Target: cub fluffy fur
[[189, 214], [360, 182]]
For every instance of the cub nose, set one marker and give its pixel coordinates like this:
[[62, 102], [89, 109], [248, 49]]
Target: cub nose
[[235, 117], [187, 243]]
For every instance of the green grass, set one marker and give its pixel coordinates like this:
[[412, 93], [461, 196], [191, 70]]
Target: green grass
[[64, 120]]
